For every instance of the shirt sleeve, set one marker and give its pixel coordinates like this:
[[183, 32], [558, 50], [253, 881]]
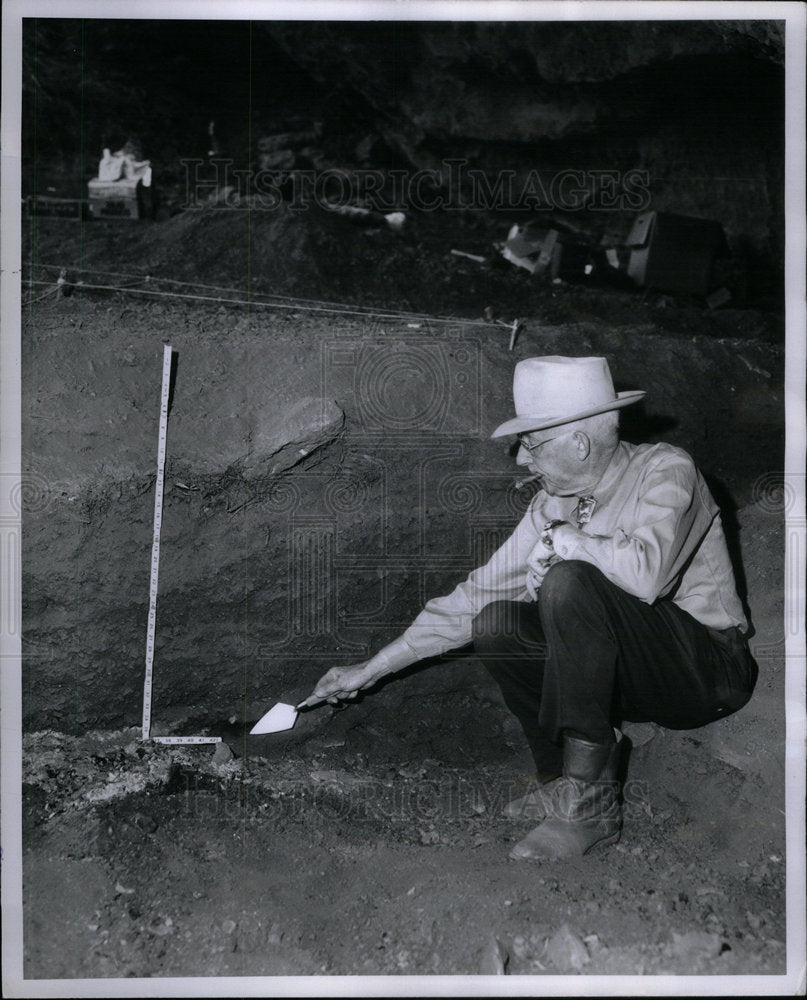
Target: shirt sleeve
[[445, 622], [656, 534]]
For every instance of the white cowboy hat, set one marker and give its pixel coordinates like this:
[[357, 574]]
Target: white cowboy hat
[[555, 390]]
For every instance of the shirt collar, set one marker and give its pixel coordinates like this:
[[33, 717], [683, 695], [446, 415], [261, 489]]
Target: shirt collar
[[606, 487]]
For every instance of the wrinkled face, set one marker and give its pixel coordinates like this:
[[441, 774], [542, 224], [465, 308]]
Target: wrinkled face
[[552, 454]]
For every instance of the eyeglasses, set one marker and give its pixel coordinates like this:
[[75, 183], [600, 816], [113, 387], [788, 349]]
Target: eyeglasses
[[532, 448]]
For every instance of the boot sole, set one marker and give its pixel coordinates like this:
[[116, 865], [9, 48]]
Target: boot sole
[[612, 838]]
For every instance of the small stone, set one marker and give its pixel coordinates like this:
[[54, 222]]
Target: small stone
[[566, 950], [592, 942], [694, 944], [494, 959], [520, 948], [161, 926], [411, 771], [640, 733], [223, 754], [275, 935], [122, 890], [144, 822], [709, 890], [228, 926]]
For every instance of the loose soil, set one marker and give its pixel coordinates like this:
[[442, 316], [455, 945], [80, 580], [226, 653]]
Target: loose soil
[[342, 857]]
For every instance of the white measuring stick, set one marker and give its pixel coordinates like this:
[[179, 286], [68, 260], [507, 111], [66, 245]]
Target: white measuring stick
[[155, 545], [155, 569], [175, 740]]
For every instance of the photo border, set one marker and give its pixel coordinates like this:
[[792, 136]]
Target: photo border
[[10, 464]]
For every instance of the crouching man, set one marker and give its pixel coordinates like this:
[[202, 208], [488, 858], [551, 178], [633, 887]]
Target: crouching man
[[613, 600]]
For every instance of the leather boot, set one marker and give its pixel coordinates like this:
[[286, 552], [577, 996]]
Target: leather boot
[[584, 810], [536, 804]]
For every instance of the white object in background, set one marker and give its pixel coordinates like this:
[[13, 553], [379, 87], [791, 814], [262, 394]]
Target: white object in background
[[276, 720], [395, 220], [109, 169]]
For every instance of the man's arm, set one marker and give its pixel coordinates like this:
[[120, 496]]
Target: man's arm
[[656, 534], [445, 622], [346, 682]]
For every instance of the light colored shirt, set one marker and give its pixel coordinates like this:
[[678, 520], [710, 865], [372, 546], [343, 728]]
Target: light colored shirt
[[655, 532]]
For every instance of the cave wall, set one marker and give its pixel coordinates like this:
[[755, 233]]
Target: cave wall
[[698, 105]]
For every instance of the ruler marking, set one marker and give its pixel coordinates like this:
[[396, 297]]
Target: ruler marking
[[176, 740], [155, 545]]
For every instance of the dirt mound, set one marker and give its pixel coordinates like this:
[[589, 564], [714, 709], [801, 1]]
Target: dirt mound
[[275, 248]]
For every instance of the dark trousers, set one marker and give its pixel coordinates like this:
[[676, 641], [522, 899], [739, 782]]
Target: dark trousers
[[587, 655]]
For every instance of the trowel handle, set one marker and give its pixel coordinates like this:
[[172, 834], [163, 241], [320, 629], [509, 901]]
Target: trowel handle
[[309, 702]]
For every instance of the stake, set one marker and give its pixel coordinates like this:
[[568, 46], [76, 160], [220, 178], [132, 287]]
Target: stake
[[514, 333]]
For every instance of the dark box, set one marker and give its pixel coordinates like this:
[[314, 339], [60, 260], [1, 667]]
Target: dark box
[[674, 253]]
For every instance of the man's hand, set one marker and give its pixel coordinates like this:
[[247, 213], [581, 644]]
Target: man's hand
[[564, 539], [343, 682], [538, 562]]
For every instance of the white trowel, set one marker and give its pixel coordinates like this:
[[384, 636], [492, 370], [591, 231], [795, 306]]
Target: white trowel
[[276, 720], [281, 717]]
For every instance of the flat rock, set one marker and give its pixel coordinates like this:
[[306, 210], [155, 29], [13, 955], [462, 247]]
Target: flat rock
[[277, 441]]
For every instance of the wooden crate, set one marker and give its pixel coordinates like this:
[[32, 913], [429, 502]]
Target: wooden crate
[[114, 199]]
